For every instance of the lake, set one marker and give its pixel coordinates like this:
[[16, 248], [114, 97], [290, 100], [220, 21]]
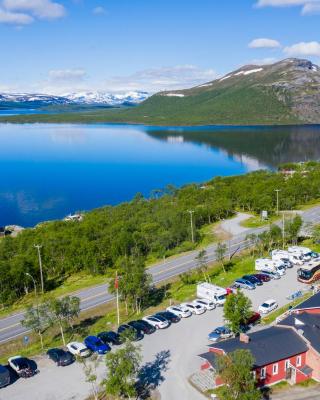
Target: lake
[[49, 171]]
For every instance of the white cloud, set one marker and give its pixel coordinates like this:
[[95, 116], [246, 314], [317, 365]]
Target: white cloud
[[19, 19], [42, 9], [156, 79], [303, 49], [283, 3], [99, 10], [264, 43], [67, 75], [309, 7]]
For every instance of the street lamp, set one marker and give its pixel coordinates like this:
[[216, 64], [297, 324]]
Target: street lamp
[[38, 247], [191, 223]]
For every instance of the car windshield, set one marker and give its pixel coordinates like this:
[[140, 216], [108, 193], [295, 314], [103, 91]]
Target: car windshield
[[222, 297], [21, 363], [176, 309], [265, 305], [83, 350]]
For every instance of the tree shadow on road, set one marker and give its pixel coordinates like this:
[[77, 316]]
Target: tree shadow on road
[[151, 374]]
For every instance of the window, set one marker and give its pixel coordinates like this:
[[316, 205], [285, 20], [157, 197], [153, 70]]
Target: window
[[253, 374], [298, 362], [263, 373], [274, 369], [287, 365]]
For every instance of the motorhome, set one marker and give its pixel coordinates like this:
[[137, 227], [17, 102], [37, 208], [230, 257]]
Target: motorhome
[[294, 258], [267, 264], [302, 251], [212, 292]]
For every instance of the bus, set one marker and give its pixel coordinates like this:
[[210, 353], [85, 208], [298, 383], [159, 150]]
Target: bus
[[309, 273]]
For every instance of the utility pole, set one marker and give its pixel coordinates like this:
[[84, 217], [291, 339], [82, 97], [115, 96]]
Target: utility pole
[[38, 247], [277, 190], [191, 223], [283, 231], [116, 285]]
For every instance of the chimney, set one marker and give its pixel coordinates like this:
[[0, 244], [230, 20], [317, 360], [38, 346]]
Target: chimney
[[244, 338]]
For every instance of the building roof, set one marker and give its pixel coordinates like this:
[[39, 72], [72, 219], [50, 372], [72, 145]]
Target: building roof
[[312, 302], [308, 325], [267, 346]]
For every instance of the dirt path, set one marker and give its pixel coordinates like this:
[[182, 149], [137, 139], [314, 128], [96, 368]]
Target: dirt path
[[232, 227]]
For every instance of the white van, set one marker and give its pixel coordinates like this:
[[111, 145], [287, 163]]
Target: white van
[[212, 292]]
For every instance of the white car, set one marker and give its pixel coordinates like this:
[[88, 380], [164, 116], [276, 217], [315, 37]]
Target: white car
[[207, 304], [268, 306], [179, 311], [78, 349], [156, 321], [194, 308]]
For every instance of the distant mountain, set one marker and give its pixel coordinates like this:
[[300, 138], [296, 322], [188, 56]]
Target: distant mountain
[[286, 92], [94, 98]]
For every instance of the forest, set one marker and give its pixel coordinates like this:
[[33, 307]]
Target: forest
[[151, 228]]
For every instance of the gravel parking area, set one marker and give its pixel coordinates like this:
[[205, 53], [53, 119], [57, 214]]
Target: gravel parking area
[[169, 356]]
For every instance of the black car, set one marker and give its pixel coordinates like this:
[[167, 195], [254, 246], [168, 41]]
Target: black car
[[4, 376], [110, 337], [60, 357], [22, 366], [142, 326], [130, 332], [253, 279], [169, 316]]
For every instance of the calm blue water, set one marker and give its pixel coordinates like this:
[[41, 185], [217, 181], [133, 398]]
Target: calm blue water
[[49, 171]]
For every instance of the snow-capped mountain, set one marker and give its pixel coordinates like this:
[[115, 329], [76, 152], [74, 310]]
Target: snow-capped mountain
[[32, 98], [107, 98], [111, 99]]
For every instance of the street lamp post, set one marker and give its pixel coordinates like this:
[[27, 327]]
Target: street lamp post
[[277, 191], [38, 247], [191, 223]]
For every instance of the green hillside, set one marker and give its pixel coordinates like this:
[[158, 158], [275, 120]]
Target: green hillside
[[286, 92]]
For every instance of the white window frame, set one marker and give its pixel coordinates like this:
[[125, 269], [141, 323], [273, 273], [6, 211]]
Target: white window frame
[[253, 374], [263, 373], [275, 369], [287, 365], [299, 361]]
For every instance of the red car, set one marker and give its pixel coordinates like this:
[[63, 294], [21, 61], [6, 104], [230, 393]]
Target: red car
[[263, 277], [254, 319]]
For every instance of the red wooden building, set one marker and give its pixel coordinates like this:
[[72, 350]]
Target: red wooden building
[[288, 351]]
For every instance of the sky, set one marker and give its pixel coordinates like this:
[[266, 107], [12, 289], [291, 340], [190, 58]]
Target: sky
[[63, 46]]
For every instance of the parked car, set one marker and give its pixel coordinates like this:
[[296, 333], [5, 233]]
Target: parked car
[[96, 345], [244, 284], [78, 349], [142, 326], [169, 316], [253, 279], [271, 275], [22, 366], [207, 304], [268, 306], [132, 333], [61, 357], [263, 277], [314, 254], [110, 337], [222, 332], [180, 311], [194, 308], [157, 322], [4, 376], [252, 320]]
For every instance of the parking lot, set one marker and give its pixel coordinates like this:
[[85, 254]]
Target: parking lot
[[169, 356]]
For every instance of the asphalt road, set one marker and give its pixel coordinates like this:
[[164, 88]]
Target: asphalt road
[[170, 356], [10, 327]]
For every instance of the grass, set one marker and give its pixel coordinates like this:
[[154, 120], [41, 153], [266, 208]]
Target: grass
[[256, 221]]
